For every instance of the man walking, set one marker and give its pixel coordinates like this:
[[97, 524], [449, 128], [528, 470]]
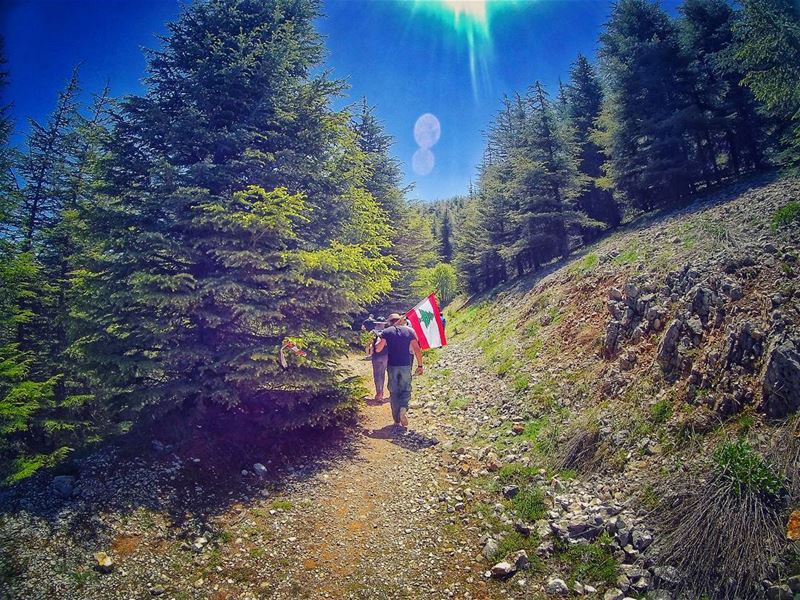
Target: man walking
[[401, 341]]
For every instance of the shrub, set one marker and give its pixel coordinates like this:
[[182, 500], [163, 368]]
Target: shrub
[[579, 451], [721, 525], [530, 503], [746, 470], [786, 214]]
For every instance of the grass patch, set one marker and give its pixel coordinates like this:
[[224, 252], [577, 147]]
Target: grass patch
[[660, 412], [585, 265], [530, 503], [514, 541], [459, 403], [627, 256], [517, 474], [590, 563], [786, 215], [281, 505], [521, 383]]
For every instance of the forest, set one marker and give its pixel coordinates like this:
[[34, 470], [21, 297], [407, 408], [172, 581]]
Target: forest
[[157, 249]]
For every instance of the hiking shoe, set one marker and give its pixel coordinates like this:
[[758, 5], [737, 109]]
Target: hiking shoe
[[404, 417]]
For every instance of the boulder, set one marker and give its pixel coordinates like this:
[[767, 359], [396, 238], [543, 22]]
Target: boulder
[[557, 587], [503, 569], [668, 348], [490, 548], [781, 380], [779, 592], [64, 485]]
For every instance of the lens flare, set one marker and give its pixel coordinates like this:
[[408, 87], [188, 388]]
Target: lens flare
[[470, 21]]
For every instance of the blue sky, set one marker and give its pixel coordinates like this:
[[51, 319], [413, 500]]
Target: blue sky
[[407, 57]]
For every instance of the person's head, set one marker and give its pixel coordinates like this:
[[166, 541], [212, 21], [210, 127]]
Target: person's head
[[371, 316], [395, 319]]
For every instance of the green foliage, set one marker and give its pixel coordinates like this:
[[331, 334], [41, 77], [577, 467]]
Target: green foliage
[[517, 473], [530, 503], [441, 280], [767, 43], [593, 562], [459, 403], [786, 214], [512, 542], [661, 411], [520, 383], [746, 469], [281, 505]]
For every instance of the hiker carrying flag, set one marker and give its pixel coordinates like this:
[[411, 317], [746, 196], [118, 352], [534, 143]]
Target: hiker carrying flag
[[401, 342]]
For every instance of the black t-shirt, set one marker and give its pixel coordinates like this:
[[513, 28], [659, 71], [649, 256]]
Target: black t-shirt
[[398, 340]]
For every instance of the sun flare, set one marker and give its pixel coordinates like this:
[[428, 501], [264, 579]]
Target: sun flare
[[470, 22]]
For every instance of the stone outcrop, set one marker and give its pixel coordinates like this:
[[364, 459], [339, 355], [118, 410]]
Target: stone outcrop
[[781, 380]]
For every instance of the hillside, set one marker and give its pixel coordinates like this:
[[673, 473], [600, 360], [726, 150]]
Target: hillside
[[614, 377]]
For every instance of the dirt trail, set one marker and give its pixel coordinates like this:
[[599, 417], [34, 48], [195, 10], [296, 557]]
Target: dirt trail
[[385, 519], [377, 526]]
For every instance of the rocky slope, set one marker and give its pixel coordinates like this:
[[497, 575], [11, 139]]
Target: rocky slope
[[607, 380]]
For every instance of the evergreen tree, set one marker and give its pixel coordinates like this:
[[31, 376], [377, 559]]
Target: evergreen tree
[[646, 122], [46, 166], [446, 236], [727, 111], [584, 98], [544, 180], [237, 218], [766, 49]]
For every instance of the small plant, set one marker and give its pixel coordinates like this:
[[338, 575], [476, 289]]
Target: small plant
[[746, 469], [281, 505], [745, 423], [723, 525], [786, 214], [516, 473], [590, 562], [660, 412], [530, 503], [514, 541], [521, 383]]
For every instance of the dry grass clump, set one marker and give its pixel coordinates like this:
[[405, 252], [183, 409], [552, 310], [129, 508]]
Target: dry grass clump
[[578, 453], [723, 526]]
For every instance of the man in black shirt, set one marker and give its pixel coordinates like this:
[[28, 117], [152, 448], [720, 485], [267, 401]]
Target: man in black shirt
[[401, 341]]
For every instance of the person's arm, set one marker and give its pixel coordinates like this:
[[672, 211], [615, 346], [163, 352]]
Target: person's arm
[[418, 353], [380, 344]]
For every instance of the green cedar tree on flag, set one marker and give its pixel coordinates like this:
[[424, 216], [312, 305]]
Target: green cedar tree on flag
[[426, 320]]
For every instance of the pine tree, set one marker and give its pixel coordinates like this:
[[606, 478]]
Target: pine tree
[[733, 129], [237, 217], [766, 49], [544, 181], [446, 236], [47, 166], [584, 98], [648, 107]]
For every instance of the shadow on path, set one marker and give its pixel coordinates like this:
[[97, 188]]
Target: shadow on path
[[405, 438]]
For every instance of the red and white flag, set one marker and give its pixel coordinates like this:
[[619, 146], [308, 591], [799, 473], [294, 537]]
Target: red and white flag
[[426, 320]]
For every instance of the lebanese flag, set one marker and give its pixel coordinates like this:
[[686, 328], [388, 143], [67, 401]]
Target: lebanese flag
[[426, 320]]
